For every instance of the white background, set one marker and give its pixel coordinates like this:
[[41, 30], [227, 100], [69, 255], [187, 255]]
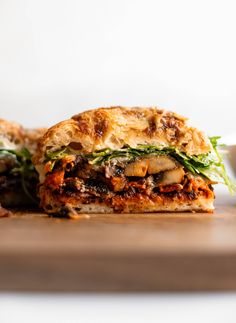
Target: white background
[[58, 58]]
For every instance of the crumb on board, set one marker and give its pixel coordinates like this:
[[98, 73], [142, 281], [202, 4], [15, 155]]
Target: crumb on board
[[4, 213]]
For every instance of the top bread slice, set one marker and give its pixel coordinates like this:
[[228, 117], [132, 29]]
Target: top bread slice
[[11, 135], [116, 127], [14, 136]]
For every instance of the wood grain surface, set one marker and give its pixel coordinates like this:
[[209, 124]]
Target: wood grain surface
[[153, 252]]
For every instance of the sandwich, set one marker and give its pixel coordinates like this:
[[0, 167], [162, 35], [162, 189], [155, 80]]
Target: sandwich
[[127, 160], [18, 177]]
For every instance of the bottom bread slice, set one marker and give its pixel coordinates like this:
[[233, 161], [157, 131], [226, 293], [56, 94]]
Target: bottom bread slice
[[200, 205], [62, 205]]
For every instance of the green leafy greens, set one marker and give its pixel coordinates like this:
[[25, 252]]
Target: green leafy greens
[[208, 165], [22, 166]]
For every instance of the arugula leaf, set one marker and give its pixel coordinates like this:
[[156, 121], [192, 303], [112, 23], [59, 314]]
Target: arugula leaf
[[58, 154], [214, 141], [23, 166], [222, 170]]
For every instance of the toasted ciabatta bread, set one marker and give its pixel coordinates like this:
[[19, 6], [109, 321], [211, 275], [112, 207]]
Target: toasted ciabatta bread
[[127, 160], [11, 134], [118, 126]]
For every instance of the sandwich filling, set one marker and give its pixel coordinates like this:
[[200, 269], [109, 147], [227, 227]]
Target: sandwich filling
[[128, 175], [18, 178]]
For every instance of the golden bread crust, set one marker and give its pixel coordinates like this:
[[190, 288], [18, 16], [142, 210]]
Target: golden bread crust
[[118, 126], [14, 135], [12, 131]]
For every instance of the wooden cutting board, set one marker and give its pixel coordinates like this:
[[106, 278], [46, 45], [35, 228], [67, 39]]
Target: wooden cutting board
[[155, 252]]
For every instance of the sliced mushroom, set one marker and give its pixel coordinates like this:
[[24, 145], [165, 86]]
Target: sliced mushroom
[[157, 164], [150, 165], [137, 168], [174, 176]]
